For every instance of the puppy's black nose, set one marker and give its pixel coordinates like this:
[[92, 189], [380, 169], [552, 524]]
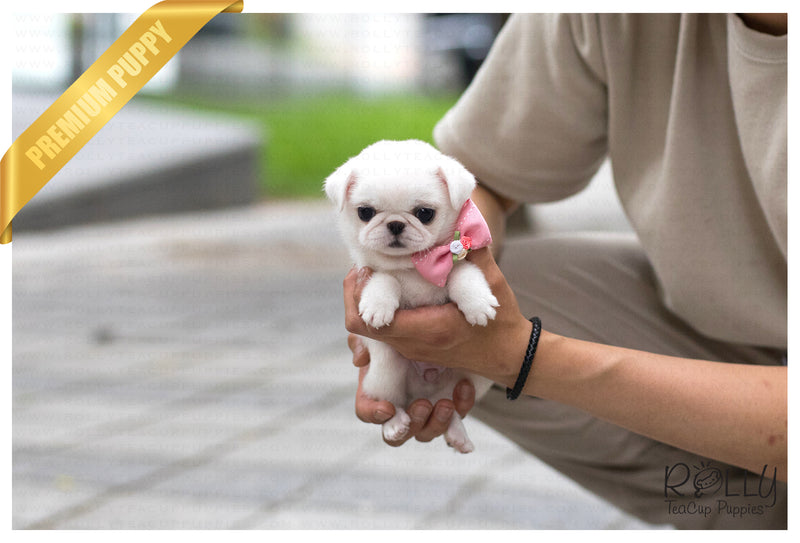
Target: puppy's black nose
[[396, 227]]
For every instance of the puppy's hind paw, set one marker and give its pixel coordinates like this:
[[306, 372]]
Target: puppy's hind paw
[[396, 427], [456, 436], [462, 443]]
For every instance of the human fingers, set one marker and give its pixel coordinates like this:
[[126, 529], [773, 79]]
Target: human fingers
[[353, 285], [360, 352], [439, 418], [437, 422], [464, 397], [369, 409]]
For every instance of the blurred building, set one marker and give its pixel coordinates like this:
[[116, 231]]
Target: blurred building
[[372, 52], [51, 50]]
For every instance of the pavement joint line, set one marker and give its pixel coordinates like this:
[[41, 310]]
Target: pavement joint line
[[472, 485], [181, 465], [304, 491]]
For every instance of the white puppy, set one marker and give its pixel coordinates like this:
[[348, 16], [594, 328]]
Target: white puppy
[[400, 203]]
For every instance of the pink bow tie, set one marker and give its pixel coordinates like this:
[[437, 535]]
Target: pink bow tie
[[471, 233]]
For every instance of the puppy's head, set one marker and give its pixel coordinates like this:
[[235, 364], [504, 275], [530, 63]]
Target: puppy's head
[[398, 197]]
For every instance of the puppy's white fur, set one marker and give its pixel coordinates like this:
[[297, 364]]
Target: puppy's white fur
[[396, 180]]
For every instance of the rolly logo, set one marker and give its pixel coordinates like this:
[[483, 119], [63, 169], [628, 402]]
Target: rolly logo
[[684, 480]]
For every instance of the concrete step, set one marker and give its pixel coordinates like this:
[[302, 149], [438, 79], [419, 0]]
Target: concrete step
[[147, 160]]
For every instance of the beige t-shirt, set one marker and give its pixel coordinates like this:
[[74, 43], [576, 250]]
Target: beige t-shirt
[[691, 110]]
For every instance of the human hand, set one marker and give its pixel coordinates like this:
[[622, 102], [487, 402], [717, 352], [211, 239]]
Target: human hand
[[441, 335], [427, 421]]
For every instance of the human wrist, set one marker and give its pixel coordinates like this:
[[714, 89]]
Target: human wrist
[[540, 377], [513, 392], [543, 374], [507, 365]]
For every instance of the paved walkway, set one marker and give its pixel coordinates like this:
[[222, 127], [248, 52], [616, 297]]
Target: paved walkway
[[192, 372]]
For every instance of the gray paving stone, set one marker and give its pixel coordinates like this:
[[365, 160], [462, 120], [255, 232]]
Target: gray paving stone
[[250, 484], [368, 492], [328, 518], [36, 500], [514, 507], [159, 512]]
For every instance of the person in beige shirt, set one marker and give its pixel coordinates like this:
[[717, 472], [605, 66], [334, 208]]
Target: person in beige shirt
[[659, 380]]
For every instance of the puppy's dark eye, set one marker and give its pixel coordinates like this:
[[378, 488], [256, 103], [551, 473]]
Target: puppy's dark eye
[[425, 214], [365, 213]]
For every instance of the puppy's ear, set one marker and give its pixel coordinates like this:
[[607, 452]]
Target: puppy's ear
[[339, 184], [457, 179]]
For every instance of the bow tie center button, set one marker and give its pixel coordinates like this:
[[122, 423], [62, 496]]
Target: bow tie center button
[[456, 247]]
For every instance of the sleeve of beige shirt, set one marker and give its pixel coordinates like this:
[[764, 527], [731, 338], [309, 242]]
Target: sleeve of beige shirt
[[532, 126]]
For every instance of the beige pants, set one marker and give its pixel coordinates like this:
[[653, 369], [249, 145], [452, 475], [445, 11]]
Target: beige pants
[[600, 287]]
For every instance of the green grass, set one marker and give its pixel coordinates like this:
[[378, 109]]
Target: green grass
[[307, 137]]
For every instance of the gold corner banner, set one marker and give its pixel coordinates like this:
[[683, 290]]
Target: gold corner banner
[[96, 96]]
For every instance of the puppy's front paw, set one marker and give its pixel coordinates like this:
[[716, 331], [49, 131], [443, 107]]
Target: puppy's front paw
[[379, 301], [479, 308], [377, 312]]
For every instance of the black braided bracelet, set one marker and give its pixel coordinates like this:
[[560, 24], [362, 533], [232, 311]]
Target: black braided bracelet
[[513, 394]]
